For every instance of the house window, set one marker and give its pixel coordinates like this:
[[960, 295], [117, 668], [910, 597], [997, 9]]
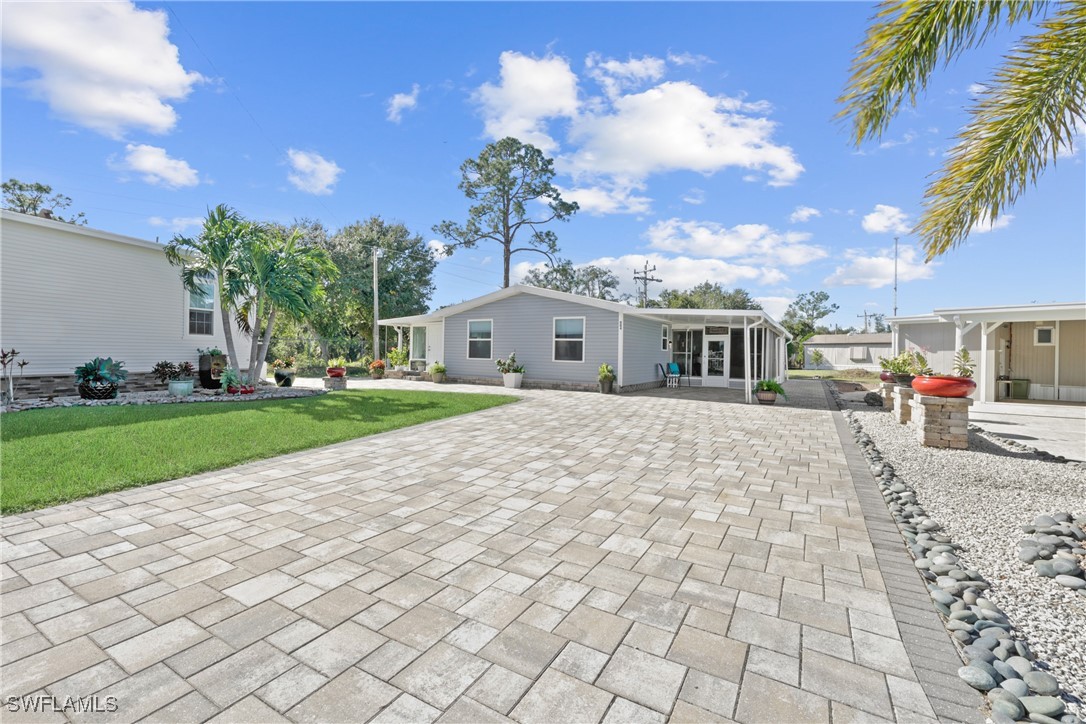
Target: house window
[[663, 338], [201, 309], [480, 338], [1044, 336], [569, 339]]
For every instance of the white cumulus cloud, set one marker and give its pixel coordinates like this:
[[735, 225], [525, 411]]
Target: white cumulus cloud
[[437, 248], [401, 102], [983, 226], [750, 243], [886, 219], [178, 224], [875, 271], [775, 306], [107, 66], [608, 198], [531, 91], [615, 76], [804, 213], [156, 167], [312, 173]]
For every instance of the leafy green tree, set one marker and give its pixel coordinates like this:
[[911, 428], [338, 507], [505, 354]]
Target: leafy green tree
[[38, 200], [506, 178], [588, 280], [708, 295], [880, 324], [1026, 116], [213, 255], [802, 316]]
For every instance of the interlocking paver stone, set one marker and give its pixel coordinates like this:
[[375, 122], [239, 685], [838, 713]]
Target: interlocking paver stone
[[661, 554]]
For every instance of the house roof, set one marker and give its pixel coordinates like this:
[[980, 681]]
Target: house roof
[[718, 316], [851, 339], [1048, 312], [15, 216]]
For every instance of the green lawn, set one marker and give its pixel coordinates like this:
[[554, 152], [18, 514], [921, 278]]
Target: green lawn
[[56, 455]]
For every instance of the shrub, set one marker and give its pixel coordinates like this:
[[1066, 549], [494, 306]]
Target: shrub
[[101, 371], [770, 386], [606, 373], [510, 365]]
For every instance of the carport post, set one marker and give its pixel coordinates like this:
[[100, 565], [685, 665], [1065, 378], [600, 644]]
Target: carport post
[[746, 359]]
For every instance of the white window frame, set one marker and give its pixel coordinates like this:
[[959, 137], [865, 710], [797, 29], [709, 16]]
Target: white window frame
[[1036, 336], [467, 333], [665, 338], [189, 308], [555, 340]]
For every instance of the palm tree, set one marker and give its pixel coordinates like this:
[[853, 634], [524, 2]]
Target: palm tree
[[1027, 115], [213, 255], [274, 274]]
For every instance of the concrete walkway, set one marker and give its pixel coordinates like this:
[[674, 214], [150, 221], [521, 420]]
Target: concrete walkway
[[571, 557], [1056, 429]]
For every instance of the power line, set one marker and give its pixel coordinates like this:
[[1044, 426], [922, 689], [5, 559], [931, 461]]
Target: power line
[[643, 278]]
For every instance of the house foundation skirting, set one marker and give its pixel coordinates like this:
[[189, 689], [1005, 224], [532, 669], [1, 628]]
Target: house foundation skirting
[[35, 386], [529, 384]]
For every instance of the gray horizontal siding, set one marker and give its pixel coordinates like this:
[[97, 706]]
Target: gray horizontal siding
[[525, 323], [641, 351]]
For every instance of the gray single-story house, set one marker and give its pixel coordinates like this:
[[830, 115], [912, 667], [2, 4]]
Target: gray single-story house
[[562, 339], [1025, 351], [847, 351]]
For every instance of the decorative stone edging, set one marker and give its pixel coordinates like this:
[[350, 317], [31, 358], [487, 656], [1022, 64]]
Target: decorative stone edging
[[161, 397], [1056, 549], [999, 662], [1017, 446]]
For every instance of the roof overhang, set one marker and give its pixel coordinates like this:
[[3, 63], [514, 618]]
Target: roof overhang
[[1016, 313]]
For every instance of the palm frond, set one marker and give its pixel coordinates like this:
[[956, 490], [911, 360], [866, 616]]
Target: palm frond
[[905, 42], [1028, 116]]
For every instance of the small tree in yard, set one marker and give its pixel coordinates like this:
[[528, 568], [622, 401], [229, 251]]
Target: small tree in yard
[[818, 358], [804, 313], [506, 177]]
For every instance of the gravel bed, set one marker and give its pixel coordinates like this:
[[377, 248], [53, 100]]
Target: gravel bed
[[982, 497], [162, 397]]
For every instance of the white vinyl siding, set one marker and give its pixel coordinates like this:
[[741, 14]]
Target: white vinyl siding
[[52, 308], [569, 336], [481, 339], [202, 310]]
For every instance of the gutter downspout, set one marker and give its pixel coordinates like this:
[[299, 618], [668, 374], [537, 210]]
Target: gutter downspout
[[621, 349]]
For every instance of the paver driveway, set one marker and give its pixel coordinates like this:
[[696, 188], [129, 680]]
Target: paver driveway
[[571, 557]]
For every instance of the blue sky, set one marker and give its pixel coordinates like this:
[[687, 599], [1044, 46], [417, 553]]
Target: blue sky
[[700, 137]]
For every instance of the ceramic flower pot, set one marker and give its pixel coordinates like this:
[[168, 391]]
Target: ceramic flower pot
[[97, 390], [513, 380], [180, 388], [766, 397], [284, 377], [437, 376], [886, 376], [336, 371], [903, 380], [944, 385], [606, 386]]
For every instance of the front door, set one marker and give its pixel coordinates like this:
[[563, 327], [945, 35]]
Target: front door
[[435, 343], [418, 348], [716, 361]]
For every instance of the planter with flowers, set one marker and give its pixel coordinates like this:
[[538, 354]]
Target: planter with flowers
[[512, 372], [606, 378], [398, 357], [231, 380], [377, 369], [959, 384], [767, 390], [284, 372], [98, 379], [179, 377], [337, 367], [437, 372]]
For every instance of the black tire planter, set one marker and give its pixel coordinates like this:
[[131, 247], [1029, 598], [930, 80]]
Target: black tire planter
[[98, 391], [211, 366]]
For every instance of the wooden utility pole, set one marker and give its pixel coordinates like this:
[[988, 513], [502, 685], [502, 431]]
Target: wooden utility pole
[[864, 315], [643, 278]]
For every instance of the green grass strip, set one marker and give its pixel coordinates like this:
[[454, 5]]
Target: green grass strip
[[58, 455]]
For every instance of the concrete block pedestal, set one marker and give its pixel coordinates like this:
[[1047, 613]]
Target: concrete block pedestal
[[902, 397], [941, 421], [335, 383], [886, 389]]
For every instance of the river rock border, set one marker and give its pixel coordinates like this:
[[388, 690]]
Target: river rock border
[[161, 397], [998, 661], [1056, 549]]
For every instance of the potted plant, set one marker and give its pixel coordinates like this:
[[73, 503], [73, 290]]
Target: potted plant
[[767, 390], [231, 380], [905, 366], [284, 371], [398, 358], [212, 363], [606, 377], [959, 384], [178, 377], [437, 372], [337, 367], [512, 373], [98, 379], [377, 369]]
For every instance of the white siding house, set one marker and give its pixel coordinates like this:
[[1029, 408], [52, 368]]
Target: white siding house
[[1028, 351], [69, 294], [847, 351]]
